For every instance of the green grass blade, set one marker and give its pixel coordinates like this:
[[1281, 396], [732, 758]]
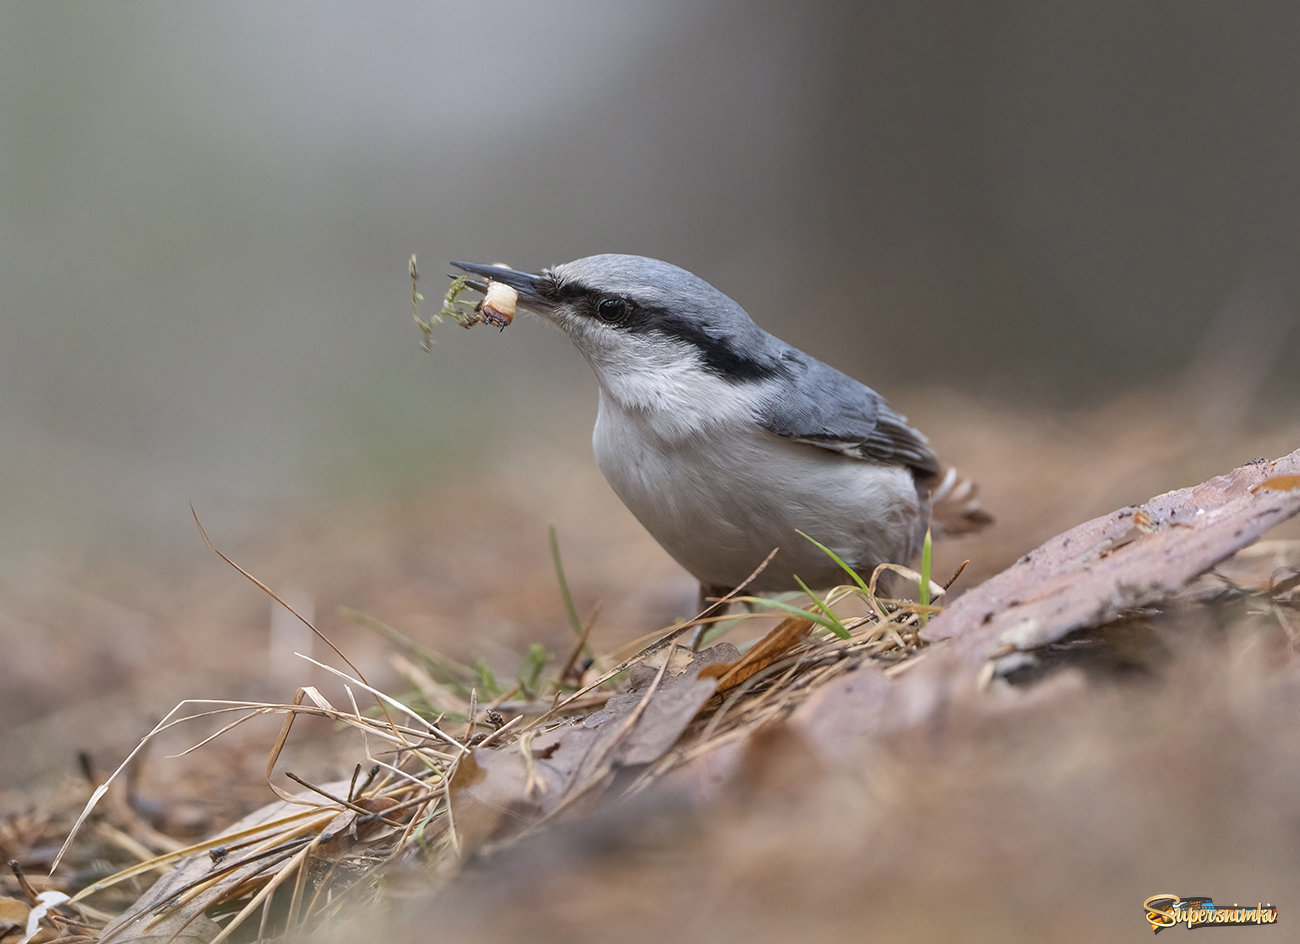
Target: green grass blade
[[853, 574], [836, 625], [923, 591], [569, 606], [563, 581], [790, 608], [530, 672], [487, 681]]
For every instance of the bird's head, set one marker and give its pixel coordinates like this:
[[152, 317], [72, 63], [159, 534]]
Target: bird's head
[[651, 331]]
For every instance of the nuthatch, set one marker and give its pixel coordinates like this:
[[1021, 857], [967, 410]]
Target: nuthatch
[[725, 442]]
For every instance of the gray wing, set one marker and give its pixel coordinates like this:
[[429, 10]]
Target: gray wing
[[836, 412]]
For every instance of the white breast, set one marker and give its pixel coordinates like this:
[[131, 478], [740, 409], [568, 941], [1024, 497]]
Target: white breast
[[720, 493]]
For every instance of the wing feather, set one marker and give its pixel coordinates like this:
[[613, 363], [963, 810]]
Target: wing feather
[[836, 412]]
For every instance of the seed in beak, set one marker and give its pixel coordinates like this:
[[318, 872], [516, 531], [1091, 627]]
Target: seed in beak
[[498, 307]]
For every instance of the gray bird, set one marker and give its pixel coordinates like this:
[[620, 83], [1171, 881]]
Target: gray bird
[[725, 442]]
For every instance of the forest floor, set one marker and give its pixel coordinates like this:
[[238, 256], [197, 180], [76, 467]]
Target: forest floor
[[1154, 751]]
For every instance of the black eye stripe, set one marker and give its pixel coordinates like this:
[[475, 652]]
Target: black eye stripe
[[719, 357]]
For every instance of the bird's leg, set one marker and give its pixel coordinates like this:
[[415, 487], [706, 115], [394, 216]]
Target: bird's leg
[[706, 592]]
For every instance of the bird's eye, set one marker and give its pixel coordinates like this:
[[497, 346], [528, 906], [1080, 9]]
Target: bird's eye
[[612, 310]]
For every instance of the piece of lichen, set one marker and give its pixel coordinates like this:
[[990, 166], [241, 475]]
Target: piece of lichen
[[463, 313]]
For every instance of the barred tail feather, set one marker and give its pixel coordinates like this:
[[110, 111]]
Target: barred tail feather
[[954, 507]]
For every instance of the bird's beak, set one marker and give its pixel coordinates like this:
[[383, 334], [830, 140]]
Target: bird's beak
[[528, 286]]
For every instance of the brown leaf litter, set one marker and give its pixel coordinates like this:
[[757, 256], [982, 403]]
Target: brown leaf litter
[[433, 800]]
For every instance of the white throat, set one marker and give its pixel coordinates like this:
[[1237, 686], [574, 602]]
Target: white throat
[[664, 388]]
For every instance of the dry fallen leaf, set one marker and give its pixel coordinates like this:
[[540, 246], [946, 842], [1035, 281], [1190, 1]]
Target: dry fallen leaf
[[762, 654], [490, 795], [496, 793]]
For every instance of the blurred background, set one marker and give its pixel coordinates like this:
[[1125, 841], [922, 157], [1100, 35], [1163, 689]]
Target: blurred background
[[1062, 238], [206, 212]]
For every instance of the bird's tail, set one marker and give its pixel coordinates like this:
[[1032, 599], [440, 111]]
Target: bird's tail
[[954, 506]]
